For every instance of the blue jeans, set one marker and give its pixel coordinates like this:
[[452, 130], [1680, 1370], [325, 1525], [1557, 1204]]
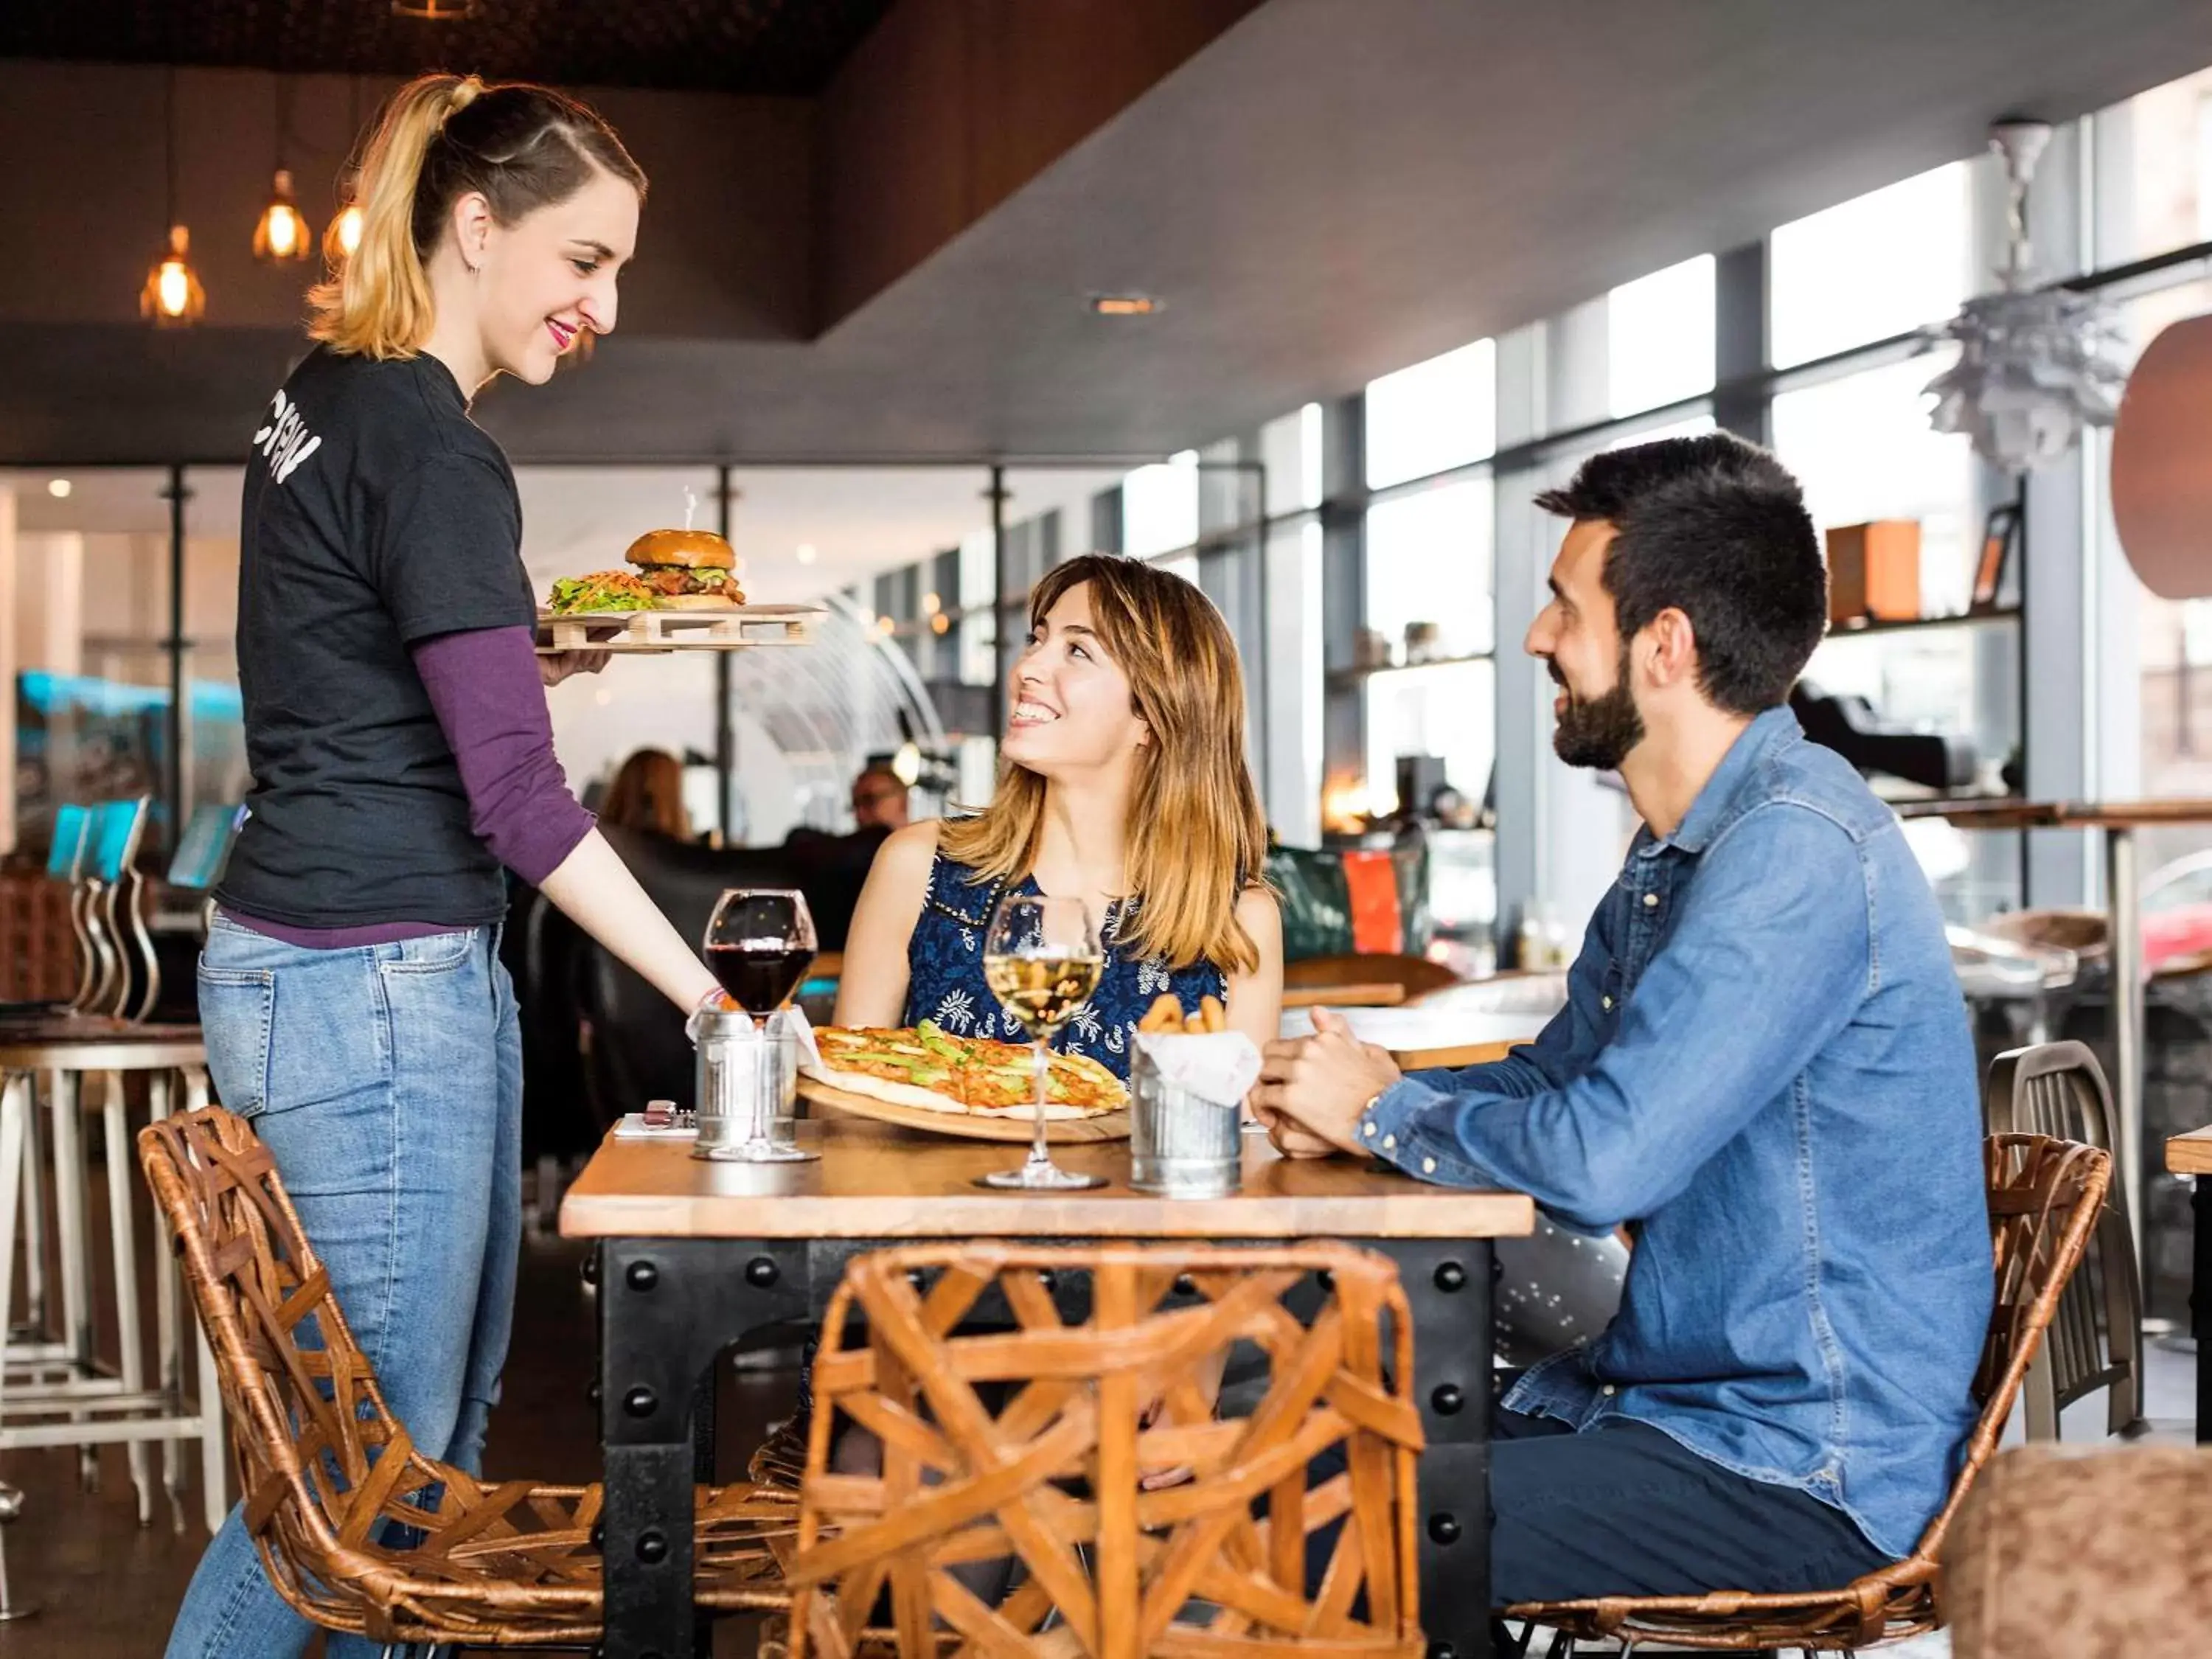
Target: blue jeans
[[386, 1081]]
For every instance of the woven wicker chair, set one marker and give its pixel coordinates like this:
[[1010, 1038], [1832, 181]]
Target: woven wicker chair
[[330, 1479], [2044, 1198], [1052, 1476]]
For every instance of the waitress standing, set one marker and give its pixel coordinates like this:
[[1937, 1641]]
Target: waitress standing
[[351, 992]]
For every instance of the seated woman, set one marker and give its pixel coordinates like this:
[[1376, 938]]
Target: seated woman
[[647, 793], [1122, 780]]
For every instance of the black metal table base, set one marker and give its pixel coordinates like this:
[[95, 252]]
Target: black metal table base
[[668, 1307]]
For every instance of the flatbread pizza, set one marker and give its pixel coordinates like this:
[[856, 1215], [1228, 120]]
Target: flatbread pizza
[[930, 1068]]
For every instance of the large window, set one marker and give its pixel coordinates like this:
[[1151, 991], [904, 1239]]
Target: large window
[[1890, 261], [1864, 449], [1439, 414], [2173, 639], [1659, 337], [91, 696], [1428, 596], [1160, 507], [2154, 171]]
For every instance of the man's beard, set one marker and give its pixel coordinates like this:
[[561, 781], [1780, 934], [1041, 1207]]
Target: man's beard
[[1598, 733]]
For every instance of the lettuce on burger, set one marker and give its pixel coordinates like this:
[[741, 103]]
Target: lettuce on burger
[[601, 591]]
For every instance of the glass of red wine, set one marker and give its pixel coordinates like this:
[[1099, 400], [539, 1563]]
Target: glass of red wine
[[760, 942]]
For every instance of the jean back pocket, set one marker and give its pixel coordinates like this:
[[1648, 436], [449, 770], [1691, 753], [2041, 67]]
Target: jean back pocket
[[238, 1007]]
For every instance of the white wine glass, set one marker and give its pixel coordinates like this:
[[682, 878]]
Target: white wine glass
[[1042, 959]]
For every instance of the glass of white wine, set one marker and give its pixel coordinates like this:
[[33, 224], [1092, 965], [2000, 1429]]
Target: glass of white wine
[[1041, 960]]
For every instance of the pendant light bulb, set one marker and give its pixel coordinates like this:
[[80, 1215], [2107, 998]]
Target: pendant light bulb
[[347, 230], [283, 232], [172, 296]]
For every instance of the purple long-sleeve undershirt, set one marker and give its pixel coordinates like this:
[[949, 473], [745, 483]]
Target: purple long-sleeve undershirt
[[490, 703]]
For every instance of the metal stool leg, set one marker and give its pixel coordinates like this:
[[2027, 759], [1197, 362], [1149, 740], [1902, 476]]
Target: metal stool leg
[[34, 1231], [130, 1335], [64, 1103], [11, 1505], [16, 1110], [16, 1114]]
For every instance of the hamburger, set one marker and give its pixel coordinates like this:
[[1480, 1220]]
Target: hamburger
[[687, 569]]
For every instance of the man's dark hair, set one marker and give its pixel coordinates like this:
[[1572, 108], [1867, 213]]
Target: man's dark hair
[[1716, 528]]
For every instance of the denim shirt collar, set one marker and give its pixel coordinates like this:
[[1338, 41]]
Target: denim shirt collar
[[1721, 802]]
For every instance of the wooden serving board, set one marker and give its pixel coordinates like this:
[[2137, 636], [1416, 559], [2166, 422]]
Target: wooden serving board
[[1061, 1132], [648, 631]]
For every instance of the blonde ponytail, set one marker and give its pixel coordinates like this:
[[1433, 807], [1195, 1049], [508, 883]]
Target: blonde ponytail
[[442, 138], [377, 302]]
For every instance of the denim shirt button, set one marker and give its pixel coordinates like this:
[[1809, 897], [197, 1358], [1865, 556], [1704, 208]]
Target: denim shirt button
[[1428, 1166], [1651, 900], [1607, 1002], [1368, 1128], [1390, 1143], [1608, 1391]]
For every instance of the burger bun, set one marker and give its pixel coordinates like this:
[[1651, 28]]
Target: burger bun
[[700, 548], [698, 601]]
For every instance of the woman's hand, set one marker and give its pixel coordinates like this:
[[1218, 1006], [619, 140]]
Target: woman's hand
[[558, 668]]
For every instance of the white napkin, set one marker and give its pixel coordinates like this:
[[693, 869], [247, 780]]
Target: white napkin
[[802, 1036], [632, 1125], [1217, 1066]]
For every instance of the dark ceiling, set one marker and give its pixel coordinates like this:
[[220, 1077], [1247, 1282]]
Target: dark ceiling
[[1333, 189], [782, 47]]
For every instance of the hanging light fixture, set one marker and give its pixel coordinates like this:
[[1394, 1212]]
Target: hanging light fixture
[[2036, 364], [283, 232], [435, 11], [343, 236], [348, 228], [172, 296]]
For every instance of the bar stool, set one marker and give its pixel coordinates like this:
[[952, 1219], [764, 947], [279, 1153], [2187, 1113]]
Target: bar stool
[[71, 1396], [91, 1406]]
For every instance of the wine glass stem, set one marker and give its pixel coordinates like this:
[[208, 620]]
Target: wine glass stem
[[1037, 1153], [768, 1082]]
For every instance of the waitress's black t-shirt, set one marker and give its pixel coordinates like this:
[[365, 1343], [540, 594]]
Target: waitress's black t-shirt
[[377, 515]]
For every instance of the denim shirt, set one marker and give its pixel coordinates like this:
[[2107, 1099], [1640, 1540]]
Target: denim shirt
[[1764, 1069]]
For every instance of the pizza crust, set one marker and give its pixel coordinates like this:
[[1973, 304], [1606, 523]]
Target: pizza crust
[[928, 1100]]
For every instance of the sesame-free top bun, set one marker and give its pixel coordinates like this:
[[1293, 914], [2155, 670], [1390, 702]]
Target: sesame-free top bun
[[700, 548]]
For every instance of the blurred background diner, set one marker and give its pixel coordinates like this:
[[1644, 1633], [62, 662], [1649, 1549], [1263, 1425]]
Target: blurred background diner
[[1306, 301]]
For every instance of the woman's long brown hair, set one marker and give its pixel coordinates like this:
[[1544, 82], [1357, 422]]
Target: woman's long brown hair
[[1197, 836], [647, 793]]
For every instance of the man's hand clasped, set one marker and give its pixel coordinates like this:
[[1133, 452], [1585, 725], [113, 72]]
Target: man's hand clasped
[[1312, 1090]]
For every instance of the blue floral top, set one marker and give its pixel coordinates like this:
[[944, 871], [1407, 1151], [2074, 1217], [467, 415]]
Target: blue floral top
[[945, 972]]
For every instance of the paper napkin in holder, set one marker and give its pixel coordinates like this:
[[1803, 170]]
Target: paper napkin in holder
[[1216, 1065]]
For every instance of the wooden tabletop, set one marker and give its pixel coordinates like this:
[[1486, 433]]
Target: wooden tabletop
[[875, 1180], [2190, 1154], [2000, 813]]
